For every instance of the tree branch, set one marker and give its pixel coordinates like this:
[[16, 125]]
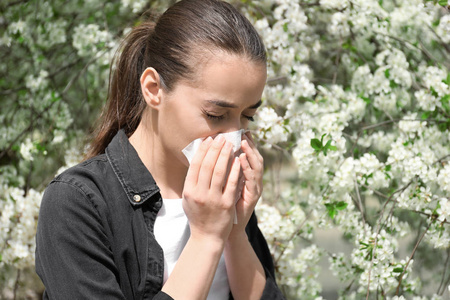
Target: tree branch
[[410, 258]]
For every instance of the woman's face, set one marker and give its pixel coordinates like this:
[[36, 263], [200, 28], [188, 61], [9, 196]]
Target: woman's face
[[224, 98]]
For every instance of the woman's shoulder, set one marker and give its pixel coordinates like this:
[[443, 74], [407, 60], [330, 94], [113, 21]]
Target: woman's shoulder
[[87, 179]]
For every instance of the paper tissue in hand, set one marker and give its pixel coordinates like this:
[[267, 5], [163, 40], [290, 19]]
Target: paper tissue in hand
[[235, 138]]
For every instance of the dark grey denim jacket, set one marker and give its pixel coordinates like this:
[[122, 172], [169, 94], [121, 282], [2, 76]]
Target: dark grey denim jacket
[[95, 231]]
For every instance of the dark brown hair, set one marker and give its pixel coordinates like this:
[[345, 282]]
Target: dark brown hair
[[172, 46]]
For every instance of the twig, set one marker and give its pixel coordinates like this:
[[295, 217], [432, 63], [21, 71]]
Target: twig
[[337, 63], [378, 232], [443, 274], [410, 258], [281, 79], [375, 191], [16, 285], [25, 130], [275, 146], [69, 84], [423, 50], [446, 47], [360, 204], [441, 159], [296, 233], [446, 284]]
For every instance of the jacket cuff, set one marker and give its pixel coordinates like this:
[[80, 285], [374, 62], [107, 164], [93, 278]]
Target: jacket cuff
[[162, 296], [271, 290]]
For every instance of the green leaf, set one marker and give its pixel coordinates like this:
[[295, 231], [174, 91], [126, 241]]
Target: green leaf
[[445, 102], [331, 209], [433, 92], [316, 144], [443, 126], [285, 27], [436, 23], [54, 97], [443, 3], [447, 80], [332, 212], [387, 168], [39, 147], [387, 73], [333, 148], [398, 270], [367, 100], [346, 45], [341, 205], [425, 115]]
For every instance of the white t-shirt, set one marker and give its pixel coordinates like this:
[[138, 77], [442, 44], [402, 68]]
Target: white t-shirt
[[172, 233]]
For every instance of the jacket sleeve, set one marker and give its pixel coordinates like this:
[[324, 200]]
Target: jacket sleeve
[[259, 244], [73, 255]]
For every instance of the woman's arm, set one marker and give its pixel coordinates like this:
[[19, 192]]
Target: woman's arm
[[73, 255], [248, 278], [245, 273], [208, 200], [73, 258]]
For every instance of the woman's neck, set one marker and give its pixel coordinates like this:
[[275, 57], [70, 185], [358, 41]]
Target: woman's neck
[[168, 172]]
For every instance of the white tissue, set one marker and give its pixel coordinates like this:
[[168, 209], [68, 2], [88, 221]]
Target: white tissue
[[233, 137]]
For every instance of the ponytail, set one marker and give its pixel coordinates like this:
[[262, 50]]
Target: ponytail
[[125, 103]]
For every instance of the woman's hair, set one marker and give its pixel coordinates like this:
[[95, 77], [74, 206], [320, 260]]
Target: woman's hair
[[173, 46]]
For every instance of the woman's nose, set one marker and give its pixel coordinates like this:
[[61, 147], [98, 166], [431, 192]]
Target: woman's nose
[[233, 125]]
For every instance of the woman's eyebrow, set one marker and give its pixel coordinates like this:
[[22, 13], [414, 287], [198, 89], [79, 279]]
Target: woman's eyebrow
[[222, 103]]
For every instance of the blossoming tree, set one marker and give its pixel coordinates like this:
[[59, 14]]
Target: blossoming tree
[[356, 108]]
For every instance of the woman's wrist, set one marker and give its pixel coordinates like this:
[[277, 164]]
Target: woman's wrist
[[213, 244], [236, 238]]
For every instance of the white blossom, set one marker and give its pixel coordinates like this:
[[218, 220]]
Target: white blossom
[[444, 209], [444, 178], [27, 150], [443, 30], [89, 39]]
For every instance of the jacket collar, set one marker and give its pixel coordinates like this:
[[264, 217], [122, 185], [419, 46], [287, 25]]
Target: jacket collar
[[134, 177]]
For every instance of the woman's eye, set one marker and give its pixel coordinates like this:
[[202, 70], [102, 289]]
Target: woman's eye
[[221, 117], [214, 117], [251, 119]]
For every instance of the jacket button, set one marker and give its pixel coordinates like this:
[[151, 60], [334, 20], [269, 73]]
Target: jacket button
[[137, 198]]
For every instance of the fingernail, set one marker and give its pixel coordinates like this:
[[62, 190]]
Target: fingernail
[[219, 138], [208, 139]]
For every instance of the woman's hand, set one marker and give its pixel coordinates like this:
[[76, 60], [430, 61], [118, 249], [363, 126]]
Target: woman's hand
[[253, 167], [209, 196]]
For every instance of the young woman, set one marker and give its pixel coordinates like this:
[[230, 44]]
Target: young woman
[[137, 220]]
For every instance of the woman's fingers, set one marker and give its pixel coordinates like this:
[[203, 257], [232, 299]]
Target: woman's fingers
[[196, 163], [233, 180], [255, 159], [209, 162], [249, 174], [220, 171]]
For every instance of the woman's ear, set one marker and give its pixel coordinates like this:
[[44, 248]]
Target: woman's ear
[[151, 87]]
